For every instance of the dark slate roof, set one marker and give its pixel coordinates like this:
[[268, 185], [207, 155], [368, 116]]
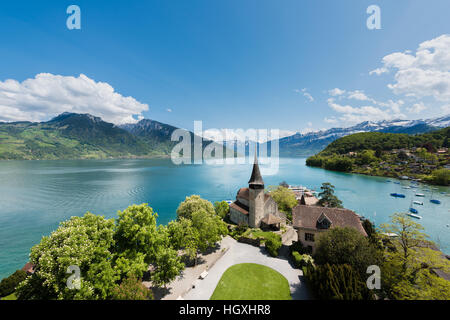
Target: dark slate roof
[[308, 217], [244, 193], [242, 208], [256, 178], [270, 219]]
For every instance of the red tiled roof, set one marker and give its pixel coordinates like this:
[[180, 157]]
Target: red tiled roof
[[305, 216], [28, 267]]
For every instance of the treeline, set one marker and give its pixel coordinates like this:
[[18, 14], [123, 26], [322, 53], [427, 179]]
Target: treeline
[[114, 256], [387, 141]]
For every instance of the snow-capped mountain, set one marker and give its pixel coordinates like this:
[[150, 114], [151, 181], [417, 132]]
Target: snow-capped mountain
[[313, 142]]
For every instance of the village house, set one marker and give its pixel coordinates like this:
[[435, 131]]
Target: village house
[[255, 208], [312, 221]]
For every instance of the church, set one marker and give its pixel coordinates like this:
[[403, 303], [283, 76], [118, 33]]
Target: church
[[255, 208]]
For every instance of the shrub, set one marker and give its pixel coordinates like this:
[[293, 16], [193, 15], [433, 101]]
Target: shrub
[[132, 289], [8, 285], [297, 246], [273, 244], [336, 282], [302, 260]]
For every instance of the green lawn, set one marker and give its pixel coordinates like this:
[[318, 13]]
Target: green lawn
[[12, 296], [249, 281]]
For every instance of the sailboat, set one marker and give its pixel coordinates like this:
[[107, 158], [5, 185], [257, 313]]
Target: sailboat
[[436, 201], [413, 212]]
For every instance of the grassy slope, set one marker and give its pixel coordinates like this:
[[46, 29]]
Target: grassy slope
[[31, 141], [249, 281], [12, 296]]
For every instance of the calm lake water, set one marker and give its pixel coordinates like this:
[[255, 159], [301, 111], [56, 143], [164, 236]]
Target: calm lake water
[[36, 195]]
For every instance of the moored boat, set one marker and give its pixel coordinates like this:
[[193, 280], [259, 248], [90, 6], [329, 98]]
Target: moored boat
[[420, 195], [414, 215], [418, 202], [412, 210], [397, 195], [435, 201]]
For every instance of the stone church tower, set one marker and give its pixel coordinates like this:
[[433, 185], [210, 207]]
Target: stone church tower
[[256, 197]]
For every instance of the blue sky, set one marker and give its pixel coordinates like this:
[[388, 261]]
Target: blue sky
[[232, 64]]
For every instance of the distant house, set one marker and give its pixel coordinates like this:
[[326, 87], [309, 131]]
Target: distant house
[[312, 221], [28, 268]]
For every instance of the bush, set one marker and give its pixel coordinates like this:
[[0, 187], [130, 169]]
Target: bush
[[441, 177], [273, 244], [132, 289], [302, 260], [346, 246], [337, 282], [8, 285], [297, 246], [222, 208]]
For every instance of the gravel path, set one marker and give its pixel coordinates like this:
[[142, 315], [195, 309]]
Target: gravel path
[[244, 253]]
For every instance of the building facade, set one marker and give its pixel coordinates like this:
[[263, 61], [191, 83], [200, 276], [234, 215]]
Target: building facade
[[253, 207], [313, 221]]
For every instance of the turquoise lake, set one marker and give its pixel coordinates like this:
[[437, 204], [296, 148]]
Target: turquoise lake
[[36, 195]]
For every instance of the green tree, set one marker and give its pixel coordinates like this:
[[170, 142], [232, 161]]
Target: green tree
[[132, 289], [441, 177], [366, 157], [337, 282], [9, 284], [273, 244], [284, 197], [136, 231], [184, 236], [167, 266], [85, 242], [192, 204], [210, 228], [346, 246], [327, 197], [408, 268], [222, 208]]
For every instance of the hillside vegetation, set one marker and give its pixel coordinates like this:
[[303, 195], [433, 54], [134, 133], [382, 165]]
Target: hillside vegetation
[[421, 156], [82, 136]]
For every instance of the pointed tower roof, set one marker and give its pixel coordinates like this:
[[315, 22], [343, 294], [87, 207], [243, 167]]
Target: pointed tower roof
[[256, 178]]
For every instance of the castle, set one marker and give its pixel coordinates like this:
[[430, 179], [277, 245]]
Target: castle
[[255, 208]]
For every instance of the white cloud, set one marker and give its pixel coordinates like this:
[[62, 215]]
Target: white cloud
[[336, 92], [446, 108], [425, 73], [169, 110], [352, 115], [47, 95], [242, 135], [417, 108], [378, 71], [330, 120], [305, 93], [394, 105]]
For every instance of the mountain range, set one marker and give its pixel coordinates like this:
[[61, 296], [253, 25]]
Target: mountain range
[[300, 145], [83, 136]]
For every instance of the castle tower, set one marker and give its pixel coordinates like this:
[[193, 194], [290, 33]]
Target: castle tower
[[256, 197]]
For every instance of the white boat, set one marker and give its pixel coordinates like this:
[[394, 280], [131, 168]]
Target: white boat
[[420, 195], [418, 202], [406, 187], [414, 215]]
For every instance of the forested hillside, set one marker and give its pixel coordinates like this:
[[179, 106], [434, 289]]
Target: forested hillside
[[423, 156]]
